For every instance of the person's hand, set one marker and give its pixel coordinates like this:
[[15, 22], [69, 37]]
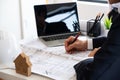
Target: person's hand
[[78, 45], [93, 52]]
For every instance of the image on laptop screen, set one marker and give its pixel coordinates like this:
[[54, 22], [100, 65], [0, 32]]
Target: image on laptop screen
[[60, 18]]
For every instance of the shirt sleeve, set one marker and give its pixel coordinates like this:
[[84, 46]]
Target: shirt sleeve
[[90, 44]]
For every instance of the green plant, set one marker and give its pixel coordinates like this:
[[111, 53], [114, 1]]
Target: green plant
[[108, 22]]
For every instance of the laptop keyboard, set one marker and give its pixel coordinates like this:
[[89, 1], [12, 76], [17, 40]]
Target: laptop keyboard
[[57, 37]]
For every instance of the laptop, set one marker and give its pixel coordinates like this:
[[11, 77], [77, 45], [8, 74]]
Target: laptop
[[56, 22]]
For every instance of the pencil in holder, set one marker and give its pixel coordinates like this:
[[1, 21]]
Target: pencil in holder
[[93, 28]]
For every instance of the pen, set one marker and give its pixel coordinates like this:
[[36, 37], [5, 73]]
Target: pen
[[101, 17], [97, 17], [76, 37]]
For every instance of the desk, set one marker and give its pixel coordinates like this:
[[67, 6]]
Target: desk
[[10, 74]]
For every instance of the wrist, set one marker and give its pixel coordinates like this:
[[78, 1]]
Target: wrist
[[90, 44], [85, 44]]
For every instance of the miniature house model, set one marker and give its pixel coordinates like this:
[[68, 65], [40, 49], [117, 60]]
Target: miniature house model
[[1, 79], [23, 65]]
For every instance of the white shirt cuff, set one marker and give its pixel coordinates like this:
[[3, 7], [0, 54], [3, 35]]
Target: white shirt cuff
[[90, 44]]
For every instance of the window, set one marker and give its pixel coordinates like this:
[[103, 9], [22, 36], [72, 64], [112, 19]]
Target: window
[[100, 1]]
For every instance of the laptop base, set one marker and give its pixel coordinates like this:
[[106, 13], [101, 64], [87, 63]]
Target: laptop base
[[53, 43]]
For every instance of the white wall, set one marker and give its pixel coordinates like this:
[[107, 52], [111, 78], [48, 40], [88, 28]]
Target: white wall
[[62, 1], [10, 17], [89, 10]]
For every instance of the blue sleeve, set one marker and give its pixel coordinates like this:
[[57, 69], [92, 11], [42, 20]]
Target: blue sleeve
[[98, 42]]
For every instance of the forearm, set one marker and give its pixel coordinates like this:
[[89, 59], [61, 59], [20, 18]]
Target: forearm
[[95, 43]]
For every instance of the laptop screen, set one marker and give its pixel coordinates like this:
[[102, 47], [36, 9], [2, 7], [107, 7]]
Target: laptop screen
[[60, 18]]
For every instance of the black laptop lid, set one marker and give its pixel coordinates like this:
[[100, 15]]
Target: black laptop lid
[[60, 18]]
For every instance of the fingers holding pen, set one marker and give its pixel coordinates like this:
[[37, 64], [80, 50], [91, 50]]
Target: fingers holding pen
[[71, 48], [78, 45], [68, 43]]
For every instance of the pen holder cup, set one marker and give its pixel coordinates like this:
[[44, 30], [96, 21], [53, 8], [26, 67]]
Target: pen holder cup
[[93, 28]]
